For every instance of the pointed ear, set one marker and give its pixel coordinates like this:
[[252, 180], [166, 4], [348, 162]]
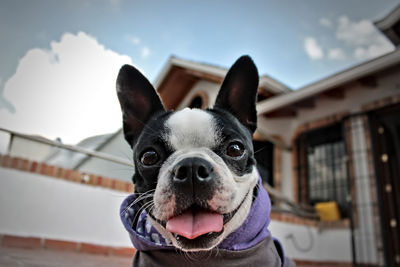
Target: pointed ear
[[139, 101], [239, 91]]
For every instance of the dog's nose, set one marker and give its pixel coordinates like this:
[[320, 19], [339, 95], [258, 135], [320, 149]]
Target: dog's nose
[[191, 171]]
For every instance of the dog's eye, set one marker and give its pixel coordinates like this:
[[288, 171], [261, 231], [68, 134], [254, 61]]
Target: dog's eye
[[235, 150], [149, 157]]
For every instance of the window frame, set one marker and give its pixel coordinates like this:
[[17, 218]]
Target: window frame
[[328, 140]]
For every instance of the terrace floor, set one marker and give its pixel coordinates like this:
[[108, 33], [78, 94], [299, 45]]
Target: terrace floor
[[12, 257]]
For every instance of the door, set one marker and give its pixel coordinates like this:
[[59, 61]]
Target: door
[[385, 129]]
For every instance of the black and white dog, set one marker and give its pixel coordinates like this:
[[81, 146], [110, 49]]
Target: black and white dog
[[196, 182]]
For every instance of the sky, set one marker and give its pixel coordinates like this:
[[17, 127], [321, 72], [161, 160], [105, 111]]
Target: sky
[[59, 59]]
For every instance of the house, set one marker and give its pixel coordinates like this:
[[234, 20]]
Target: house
[[344, 138]]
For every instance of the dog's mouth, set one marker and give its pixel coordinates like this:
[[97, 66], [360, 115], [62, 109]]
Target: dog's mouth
[[195, 222], [196, 226]]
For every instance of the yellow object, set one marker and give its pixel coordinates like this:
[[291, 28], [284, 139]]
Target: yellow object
[[328, 211]]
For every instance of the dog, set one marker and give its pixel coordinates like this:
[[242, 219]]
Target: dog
[[198, 197]]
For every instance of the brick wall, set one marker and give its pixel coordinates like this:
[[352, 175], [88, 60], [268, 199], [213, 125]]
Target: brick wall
[[74, 176]]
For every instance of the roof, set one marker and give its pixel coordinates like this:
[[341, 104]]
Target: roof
[[266, 82], [72, 159], [389, 20], [330, 83], [390, 26]]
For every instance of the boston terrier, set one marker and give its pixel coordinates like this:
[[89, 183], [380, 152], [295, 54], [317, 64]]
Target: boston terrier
[[198, 197]]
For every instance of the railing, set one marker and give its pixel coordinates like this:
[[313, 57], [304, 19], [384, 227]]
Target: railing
[[77, 149], [294, 208], [299, 210]]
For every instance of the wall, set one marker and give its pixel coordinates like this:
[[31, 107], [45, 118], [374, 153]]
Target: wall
[[38, 206], [304, 242], [117, 147], [30, 149]]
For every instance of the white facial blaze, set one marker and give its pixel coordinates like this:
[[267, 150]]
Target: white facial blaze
[[191, 128]]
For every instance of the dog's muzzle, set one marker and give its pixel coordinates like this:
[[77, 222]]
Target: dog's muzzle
[[194, 182]]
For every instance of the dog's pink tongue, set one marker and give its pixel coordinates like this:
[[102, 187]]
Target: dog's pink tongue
[[192, 225]]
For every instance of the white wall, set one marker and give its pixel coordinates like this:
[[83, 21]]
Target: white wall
[[39, 206], [28, 149], [286, 174], [117, 147], [309, 243]]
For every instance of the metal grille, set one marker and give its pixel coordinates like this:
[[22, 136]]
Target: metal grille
[[366, 225], [324, 168]]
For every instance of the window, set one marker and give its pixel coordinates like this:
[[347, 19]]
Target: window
[[263, 152], [322, 167], [199, 100]]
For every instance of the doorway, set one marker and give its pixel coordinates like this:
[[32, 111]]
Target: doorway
[[385, 134]]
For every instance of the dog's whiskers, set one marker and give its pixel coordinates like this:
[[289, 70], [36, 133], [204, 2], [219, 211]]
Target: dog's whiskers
[[148, 204], [142, 196]]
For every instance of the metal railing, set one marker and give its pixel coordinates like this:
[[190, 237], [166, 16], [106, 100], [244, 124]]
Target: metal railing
[[296, 209], [77, 149]]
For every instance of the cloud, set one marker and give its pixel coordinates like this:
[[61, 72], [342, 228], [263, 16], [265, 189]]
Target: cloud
[[313, 49], [336, 54], [66, 91], [355, 33], [365, 40], [374, 50], [134, 40], [358, 40], [145, 52], [325, 22]]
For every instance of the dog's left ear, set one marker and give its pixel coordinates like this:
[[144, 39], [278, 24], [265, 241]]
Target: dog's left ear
[[238, 92], [139, 101]]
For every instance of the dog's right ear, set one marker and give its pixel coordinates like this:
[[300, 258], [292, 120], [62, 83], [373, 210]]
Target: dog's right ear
[[238, 92], [139, 101]]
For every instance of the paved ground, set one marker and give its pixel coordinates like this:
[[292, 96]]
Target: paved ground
[[12, 257]]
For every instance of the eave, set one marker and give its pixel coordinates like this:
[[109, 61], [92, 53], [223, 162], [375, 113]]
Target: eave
[[332, 86]]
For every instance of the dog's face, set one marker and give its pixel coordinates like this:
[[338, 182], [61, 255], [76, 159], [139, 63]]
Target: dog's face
[[194, 169]]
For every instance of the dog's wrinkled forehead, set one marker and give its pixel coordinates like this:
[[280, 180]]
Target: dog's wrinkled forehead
[[190, 128]]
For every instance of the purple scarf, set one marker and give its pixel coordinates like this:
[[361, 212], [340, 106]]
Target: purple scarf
[[254, 229]]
